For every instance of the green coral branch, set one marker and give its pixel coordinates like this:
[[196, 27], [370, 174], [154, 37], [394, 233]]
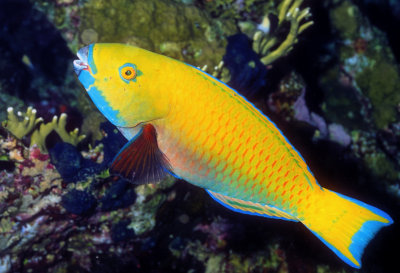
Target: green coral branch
[[20, 128], [262, 42], [57, 124], [221, 72], [22, 124]]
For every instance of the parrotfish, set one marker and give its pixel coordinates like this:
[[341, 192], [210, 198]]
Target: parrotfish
[[181, 121]]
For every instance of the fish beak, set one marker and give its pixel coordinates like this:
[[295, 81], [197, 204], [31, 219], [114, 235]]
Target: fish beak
[[82, 63]]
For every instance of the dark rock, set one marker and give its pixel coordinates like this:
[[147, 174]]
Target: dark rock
[[120, 231], [113, 141], [8, 166], [79, 202], [67, 160], [70, 163], [246, 70], [118, 196]]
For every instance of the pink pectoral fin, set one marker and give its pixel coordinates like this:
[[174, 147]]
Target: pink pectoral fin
[[140, 160]]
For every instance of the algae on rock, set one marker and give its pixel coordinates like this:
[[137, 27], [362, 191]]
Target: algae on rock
[[367, 61], [180, 31]]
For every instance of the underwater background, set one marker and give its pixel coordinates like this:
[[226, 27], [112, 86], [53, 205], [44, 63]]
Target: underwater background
[[325, 71]]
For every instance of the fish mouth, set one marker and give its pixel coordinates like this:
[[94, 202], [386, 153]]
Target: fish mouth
[[82, 62]]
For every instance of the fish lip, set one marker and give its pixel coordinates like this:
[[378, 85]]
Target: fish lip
[[82, 62]]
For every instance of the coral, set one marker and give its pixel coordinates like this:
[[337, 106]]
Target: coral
[[218, 232], [46, 227], [58, 125], [368, 64], [18, 127], [381, 83], [361, 91], [381, 166], [143, 211], [289, 100], [21, 128], [272, 258], [346, 18], [238, 10], [264, 41], [338, 134], [64, 15], [245, 64]]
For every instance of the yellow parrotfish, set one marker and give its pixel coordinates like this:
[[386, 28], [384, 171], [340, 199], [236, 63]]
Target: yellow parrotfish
[[181, 121]]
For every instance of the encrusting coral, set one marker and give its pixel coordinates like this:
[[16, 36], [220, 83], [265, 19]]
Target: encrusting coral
[[20, 128]]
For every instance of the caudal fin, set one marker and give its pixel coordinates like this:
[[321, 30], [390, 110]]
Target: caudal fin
[[345, 225]]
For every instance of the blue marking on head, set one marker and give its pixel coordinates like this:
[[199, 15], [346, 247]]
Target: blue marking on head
[[104, 107], [91, 60], [86, 79], [138, 72]]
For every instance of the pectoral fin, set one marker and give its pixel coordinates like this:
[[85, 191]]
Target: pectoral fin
[[140, 160], [252, 208]]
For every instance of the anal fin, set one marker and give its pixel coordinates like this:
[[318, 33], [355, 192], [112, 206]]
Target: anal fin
[[141, 160], [251, 208]]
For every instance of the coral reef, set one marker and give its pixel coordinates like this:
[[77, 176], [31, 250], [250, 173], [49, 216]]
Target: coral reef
[[368, 63], [362, 89], [239, 10], [47, 227]]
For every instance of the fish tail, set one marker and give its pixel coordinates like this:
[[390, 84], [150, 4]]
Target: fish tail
[[345, 225]]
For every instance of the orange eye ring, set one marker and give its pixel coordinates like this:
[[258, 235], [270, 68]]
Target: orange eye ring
[[128, 73]]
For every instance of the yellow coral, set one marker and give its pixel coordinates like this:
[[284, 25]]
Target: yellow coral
[[57, 124], [20, 128], [263, 42]]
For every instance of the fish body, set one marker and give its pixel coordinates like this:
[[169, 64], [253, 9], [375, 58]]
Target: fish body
[[182, 121]]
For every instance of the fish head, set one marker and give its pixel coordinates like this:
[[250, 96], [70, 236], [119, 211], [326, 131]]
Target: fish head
[[123, 82]]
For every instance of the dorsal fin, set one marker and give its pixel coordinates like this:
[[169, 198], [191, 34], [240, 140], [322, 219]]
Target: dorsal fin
[[141, 160], [252, 208]]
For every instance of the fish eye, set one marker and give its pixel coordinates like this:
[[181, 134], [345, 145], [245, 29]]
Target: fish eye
[[128, 73]]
